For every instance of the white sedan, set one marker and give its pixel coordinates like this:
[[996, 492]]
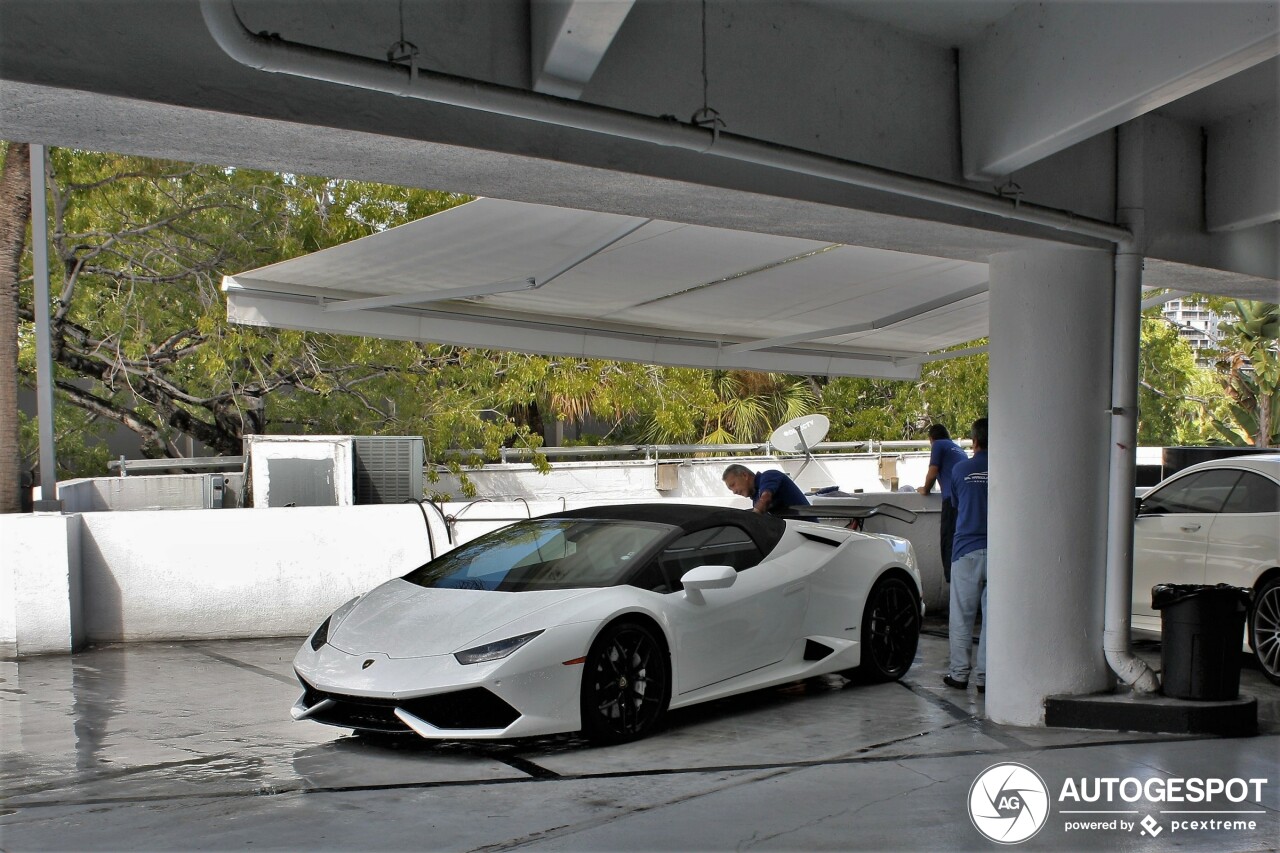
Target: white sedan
[[1215, 522], [600, 620]]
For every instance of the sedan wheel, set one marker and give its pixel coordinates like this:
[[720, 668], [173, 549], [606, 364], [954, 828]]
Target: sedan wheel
[[626, 684], [1264, 629], [890, 630]]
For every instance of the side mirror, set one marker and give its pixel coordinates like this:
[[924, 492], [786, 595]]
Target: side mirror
[[707, 577]]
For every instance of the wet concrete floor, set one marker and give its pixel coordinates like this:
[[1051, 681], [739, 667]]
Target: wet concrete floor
[[190, 747]]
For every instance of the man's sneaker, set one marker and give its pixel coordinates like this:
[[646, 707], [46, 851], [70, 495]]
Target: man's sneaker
[[951, 682]]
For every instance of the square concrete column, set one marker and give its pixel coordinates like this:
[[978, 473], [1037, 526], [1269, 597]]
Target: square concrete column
[[1050, 381], [40, 610]]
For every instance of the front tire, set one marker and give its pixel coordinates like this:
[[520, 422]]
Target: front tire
[[1264, 629], [890, 630], [626, 684]]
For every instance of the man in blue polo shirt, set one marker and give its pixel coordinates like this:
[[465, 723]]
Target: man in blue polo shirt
[[768, 491], [969, 565], [944, 455]]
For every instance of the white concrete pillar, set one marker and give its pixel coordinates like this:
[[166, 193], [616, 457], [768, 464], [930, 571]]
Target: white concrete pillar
[[40, 609], [1050, 381]]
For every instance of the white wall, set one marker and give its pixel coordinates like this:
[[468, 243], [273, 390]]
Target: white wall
[[191, 574]]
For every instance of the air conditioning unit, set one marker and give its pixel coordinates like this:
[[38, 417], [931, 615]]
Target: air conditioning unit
[[388, 468], [300, 470]]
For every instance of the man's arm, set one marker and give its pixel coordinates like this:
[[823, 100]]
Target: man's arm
[[930, 477], [762, 503]]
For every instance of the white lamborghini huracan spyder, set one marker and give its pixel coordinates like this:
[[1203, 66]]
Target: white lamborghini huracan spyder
[[602, 619]]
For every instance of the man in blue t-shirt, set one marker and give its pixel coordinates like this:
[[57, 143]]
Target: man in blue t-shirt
[[768, 491], [969, 565], [944, 455]]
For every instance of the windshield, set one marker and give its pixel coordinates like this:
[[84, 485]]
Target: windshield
[[544, 554]]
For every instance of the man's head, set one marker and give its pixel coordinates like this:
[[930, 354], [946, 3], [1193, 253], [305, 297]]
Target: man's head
[[937, 432], [979, 434], [740, 480]]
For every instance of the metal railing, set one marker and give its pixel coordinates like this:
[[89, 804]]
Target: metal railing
[[193, 463], [650, 452]]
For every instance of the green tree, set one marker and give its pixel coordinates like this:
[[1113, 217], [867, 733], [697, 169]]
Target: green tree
[[1249, 370], [952, 392], [727, 406], [15, 209], [1174, 394], [140, 337]]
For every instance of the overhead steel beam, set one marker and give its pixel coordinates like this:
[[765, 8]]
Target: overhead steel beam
[[1242, 171], [1085, 68], [569, 38]]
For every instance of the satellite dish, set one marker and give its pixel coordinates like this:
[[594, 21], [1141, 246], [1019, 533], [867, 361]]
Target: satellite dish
[[799, 434]]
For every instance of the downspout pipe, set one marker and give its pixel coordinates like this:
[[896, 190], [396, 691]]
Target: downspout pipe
[[1127, 320], [275, 55]]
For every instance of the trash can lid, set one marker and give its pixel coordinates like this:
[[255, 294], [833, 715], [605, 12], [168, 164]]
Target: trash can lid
[[1166, 594]]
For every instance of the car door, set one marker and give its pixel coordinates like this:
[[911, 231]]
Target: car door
[[1171, 535], [1245, 537], [727, 632]]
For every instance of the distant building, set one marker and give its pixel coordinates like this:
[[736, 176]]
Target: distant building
[[1197, 324]]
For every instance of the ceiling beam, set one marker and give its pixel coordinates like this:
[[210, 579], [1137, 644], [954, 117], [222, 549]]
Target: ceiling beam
[[1242, 171], [569, 38], [1084, 68]]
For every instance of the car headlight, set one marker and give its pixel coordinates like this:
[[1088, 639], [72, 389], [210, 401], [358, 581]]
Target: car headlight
[[321, 636], [494, 651]]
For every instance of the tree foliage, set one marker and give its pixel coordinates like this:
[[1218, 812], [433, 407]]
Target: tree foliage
[[952, 392], [1249, 368], [1175, 396]]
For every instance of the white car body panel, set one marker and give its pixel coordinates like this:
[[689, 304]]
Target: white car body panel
[[1237, 548], [396, 643]]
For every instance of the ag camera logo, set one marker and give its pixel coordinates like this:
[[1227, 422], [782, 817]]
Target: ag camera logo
[[1008, 803]]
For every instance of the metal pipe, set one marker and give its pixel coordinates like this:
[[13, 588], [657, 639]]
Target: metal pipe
[[1126, 329], [44, 343], [275, 55]]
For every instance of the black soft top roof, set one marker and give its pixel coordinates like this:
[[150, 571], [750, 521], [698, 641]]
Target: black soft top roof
[[765, 530]]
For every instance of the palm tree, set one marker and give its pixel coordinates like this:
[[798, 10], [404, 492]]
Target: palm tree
[[740, 407], [15, 211], [1250, 374]]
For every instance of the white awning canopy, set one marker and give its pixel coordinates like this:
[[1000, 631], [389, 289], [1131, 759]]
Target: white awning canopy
[[532, 278]]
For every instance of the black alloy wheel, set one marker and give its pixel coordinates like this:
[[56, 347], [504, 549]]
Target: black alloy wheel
[[1264, 628], [626, 684], [890, 630]]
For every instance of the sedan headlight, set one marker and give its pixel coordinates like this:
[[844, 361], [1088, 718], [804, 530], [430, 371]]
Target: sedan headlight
[[494, 651]]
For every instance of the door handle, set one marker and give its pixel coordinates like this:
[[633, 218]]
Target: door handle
[[793, 589], [1189, 528]]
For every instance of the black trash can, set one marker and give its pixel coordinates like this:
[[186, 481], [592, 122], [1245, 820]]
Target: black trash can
[[1201, 632]]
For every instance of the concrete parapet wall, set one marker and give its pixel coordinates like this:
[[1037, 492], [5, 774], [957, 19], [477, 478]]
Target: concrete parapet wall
[[195, 574], [40, 584]]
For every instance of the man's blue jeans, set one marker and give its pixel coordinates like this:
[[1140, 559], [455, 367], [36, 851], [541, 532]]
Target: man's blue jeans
[[968, 591]]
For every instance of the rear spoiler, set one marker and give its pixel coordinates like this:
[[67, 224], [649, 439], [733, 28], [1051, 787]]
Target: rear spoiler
[[858, 513]]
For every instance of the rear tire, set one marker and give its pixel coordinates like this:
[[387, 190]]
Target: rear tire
[[890, 631], [1264, 629], [626, 684]]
